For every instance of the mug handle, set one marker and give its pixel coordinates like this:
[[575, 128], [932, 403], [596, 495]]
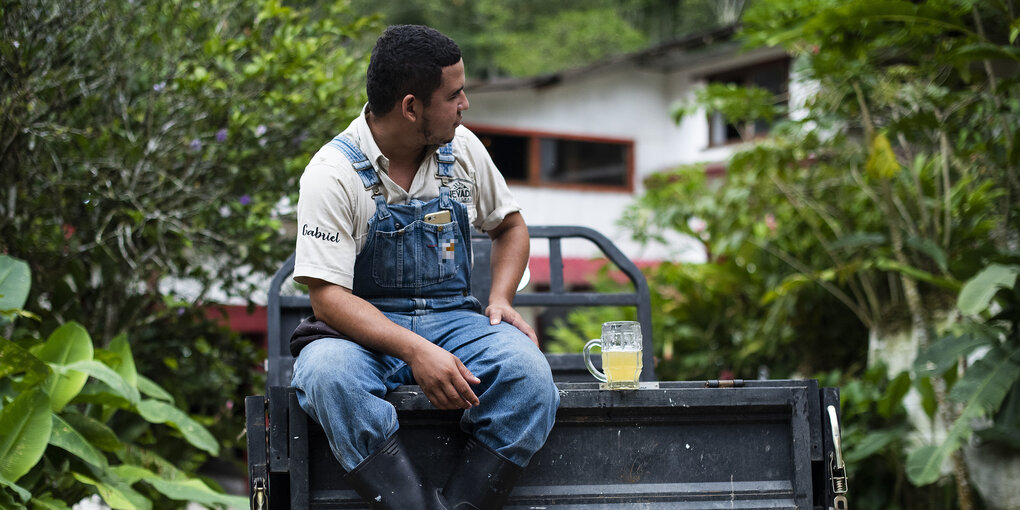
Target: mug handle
[[587, 359]]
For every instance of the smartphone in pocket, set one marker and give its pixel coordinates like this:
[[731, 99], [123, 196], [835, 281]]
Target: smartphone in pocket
[[438, 218]]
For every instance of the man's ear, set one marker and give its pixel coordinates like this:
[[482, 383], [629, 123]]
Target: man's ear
[[409, 107]]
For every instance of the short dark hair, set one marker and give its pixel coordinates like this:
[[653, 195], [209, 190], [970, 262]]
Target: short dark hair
[[408, 59]]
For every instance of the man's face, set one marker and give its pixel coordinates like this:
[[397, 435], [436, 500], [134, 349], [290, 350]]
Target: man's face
[[442, 116]]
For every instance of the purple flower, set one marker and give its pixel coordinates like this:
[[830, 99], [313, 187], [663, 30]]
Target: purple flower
[[195, 145], [221, 135], [260, 130], [245, 199], [159, 86]]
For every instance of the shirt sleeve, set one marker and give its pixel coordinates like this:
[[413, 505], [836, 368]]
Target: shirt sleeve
[[493, 200], [326, 248]]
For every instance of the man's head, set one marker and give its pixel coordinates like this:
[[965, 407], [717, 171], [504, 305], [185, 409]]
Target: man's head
[[408, 59]]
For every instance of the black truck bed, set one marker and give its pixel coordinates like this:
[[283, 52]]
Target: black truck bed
[[677, 445]]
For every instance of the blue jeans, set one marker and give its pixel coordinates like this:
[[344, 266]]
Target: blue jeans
[[341, 385]]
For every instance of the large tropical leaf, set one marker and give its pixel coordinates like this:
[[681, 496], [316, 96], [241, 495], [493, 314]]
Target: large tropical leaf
[[94, 431], [67, 437], [68, 344], [982, 390], [103, 373], [946, 351], [25, 426], [977, 293], [125, 365], [178, 487], [116, 493], [156, 411], [150, 389]]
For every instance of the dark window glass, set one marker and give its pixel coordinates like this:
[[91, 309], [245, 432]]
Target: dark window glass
[[583, 162], [772, 76], [510, 153]]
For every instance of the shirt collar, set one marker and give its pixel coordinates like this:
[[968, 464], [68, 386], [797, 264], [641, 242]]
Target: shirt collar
[[367, 141], [369, 147]]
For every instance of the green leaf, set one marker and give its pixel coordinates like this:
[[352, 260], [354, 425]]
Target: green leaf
[[982, 389], [15, 360], [126, 367], [48, 503], [15, 282], [161, 412], [116, 493], [26, 425], [96, 432], [882, 163], [68, 344], [106, 374], [945, 352], [985, 384], [65, 436], [150, 388], [977, 293], [20, 491], [195, 490]]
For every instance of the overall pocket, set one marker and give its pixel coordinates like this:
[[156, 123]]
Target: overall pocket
[[417, 255]]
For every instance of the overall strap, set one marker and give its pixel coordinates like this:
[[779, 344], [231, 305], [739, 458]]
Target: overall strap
[[365, 170], [358, 160], [444, 172]]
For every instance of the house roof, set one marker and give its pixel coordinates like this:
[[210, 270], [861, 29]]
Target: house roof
[[664, 57]]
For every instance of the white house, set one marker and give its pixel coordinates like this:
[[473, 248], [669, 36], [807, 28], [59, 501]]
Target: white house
[[576, 145]]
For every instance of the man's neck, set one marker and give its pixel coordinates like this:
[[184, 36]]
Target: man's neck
[[400, 147]]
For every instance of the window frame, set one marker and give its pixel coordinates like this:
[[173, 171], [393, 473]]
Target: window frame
[[744, 74], [534, 157]]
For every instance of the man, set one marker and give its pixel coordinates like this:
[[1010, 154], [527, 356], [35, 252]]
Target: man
[[384, 247]]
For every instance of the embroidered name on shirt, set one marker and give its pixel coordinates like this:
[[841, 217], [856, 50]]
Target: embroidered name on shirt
[[333, 237]]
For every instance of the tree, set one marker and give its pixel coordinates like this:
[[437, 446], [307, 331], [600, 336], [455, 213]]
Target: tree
[[893, 184], [532, 37], [150, 154]]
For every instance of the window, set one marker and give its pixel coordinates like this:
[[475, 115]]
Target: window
[[544, 159], [773, 76]]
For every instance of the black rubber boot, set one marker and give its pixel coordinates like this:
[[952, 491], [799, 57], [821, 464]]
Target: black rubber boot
[[388, 480], [482, 481]]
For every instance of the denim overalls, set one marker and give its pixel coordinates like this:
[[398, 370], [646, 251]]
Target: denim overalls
[[418, 274]]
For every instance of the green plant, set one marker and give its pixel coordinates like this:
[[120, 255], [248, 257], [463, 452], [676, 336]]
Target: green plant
[[990, 386], [59, 398], [893, 181]]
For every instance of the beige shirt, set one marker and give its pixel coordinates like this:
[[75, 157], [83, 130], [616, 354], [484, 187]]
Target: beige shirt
[[334, 207]]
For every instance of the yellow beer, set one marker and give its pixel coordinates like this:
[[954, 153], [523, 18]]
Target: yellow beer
[[621, 345], [622, 368]]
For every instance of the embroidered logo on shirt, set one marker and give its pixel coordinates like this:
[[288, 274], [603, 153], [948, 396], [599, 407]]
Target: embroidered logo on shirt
[[447, 249], [461, 191]]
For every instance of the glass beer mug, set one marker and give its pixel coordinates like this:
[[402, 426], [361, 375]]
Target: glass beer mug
[[621, 355]]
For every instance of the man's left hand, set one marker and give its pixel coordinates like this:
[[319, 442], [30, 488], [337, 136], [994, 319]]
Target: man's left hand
[[498, 312]]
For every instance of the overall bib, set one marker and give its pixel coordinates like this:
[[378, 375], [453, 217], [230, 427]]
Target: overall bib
[[418, 274]]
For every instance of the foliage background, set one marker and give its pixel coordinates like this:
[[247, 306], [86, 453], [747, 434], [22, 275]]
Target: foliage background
[[143, 142]]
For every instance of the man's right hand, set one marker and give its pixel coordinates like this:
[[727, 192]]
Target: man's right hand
[[444, 379]]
